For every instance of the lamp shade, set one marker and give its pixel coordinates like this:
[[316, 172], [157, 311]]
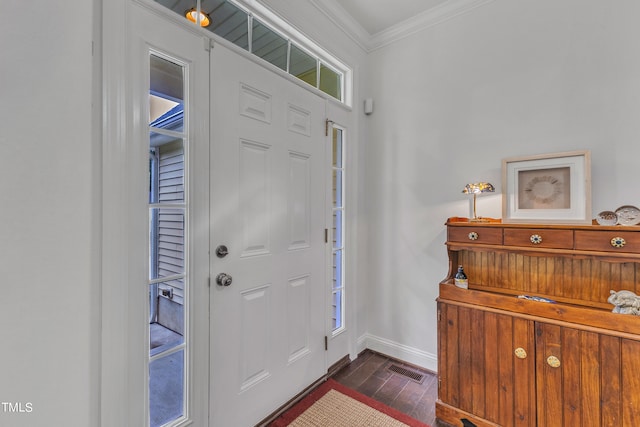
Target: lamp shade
[[478, 187], [193, 14], [475, 189]]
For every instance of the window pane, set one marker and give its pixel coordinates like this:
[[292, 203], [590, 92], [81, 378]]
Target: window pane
[[165, 113], [330, 82], [169, 178], [166, 327], [269, 45], [337, 188], [337, 311], [337, 229], [337, 148], [166, 79], [166, 382], [166, 245], [337, 269], [303, 66], [227, 21]]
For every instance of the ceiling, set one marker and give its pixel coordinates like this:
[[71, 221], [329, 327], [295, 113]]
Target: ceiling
[[376, 23], [378, 15]]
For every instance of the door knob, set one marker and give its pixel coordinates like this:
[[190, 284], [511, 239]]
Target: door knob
[[223, 279]]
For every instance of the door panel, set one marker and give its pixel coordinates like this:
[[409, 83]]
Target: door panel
[[594, 382], [267, 208], [479, 370]]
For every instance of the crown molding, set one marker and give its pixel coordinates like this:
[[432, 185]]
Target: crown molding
[[344, 21], [370, 42], [426, 19]]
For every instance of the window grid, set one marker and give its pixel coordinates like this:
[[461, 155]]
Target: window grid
[[338, 232], [226, 17], [168, 285]]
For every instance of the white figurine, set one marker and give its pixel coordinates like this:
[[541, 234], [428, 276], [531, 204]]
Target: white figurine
[[625, 302]]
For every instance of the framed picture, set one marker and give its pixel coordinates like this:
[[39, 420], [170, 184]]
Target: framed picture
[[547, 188]]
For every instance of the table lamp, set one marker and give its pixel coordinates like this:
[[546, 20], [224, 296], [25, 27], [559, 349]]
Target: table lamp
[[475, 189]]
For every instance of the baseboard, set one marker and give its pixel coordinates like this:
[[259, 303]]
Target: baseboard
[[398, 351]]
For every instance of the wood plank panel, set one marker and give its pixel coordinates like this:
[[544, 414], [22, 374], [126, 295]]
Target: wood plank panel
[[571, 381], [524, 374], [630, 354], [590, 378], [504, 360], [443, 353], [577, 281], [548, 379], [610, 381], [477, 385], [465, 331], [491, 372], [453, 374]]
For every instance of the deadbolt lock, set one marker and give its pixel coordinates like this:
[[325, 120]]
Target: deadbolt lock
[[222, 251]]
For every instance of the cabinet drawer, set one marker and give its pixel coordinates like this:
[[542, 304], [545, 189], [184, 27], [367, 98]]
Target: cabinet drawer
[[608, 241], [539, 238], [490, 236]]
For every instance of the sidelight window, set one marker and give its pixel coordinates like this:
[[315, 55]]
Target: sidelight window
[[168, 275], [338, 230]]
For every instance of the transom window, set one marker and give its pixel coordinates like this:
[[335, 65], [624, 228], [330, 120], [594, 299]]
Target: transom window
[[256, 33]]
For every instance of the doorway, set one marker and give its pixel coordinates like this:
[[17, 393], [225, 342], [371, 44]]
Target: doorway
[[267, 209], [253, 167]]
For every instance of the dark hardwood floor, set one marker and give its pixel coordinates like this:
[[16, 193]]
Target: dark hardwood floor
[[369, 374]]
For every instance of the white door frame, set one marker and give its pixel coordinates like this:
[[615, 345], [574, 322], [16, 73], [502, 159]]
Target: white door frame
[[122, 393], [124, 374], [345, 342]]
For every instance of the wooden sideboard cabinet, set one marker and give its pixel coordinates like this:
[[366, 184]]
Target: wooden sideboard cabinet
[[509, 361]]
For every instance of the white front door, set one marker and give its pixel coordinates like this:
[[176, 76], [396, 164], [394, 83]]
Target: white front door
[[267, 208]]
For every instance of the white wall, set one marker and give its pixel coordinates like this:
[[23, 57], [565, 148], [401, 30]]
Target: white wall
[[49, 221], [507, 79]]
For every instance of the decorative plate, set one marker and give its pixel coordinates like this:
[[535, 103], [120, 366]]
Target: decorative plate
[[607, 218], [628, 215]]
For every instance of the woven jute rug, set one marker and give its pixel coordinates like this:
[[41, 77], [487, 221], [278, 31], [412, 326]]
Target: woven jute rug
[[333, 405]]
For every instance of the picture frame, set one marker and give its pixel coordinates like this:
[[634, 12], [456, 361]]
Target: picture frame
[[547, 188]]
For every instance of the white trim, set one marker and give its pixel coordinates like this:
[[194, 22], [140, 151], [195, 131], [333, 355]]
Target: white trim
[[370, 42], [115, 388], [426, 19], [344, 21], [124, 369], [399, 351]]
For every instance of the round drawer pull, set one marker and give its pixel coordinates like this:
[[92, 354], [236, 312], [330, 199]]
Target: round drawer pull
[[473, 236], [536, 239], [521, 353], [618, 242], [553, 361]]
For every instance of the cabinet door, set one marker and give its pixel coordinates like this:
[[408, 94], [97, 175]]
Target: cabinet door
[[479, 371], [586, 379]]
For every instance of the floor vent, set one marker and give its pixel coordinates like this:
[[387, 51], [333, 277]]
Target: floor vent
[[412, 375]]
